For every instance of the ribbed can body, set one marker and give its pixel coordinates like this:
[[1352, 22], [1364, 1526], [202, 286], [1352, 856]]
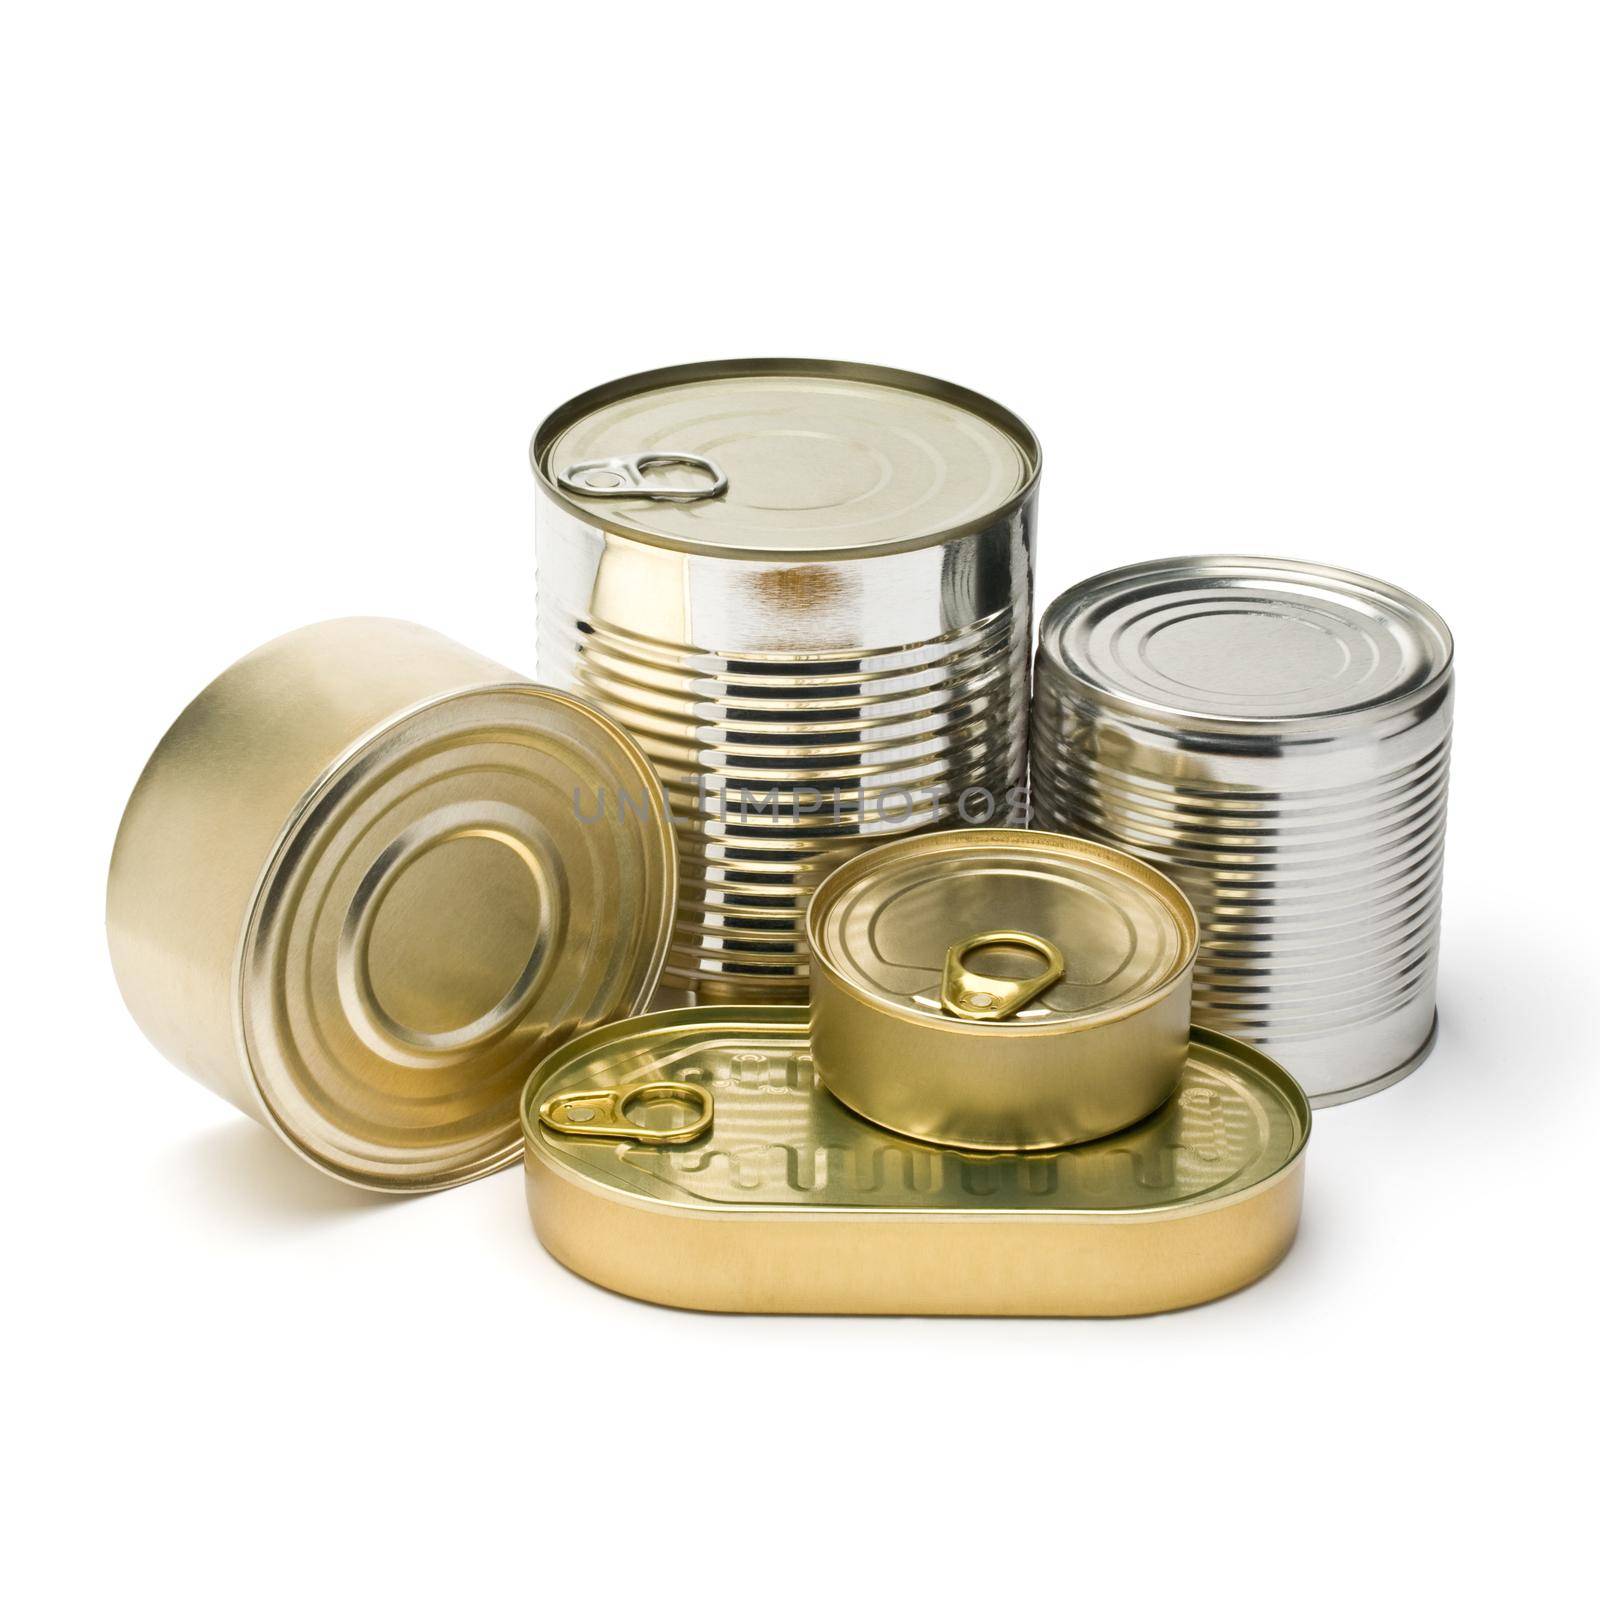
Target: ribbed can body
[[796, 711], [1312, 849]]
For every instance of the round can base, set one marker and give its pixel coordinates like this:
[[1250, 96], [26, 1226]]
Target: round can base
[[1360, 1091]]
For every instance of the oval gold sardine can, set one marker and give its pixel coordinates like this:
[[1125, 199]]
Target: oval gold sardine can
[[368, 878], [806, 588], [1275, 735], [999, 988], [693, 1158]]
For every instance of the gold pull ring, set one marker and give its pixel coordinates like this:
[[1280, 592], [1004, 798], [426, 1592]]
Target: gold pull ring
[[605, 1113], [976, 997]]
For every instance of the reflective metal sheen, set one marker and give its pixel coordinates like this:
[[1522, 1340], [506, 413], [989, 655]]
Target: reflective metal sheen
[[789, 1203], [813, 613], [365, 883], [1275, 735], [1000, 989]]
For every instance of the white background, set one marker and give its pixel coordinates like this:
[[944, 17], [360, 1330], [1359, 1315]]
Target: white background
[[287, 290]]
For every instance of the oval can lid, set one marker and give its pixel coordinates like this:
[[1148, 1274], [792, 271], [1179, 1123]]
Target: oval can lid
[[786, 458], [474, 882], [777, 1140], [889, 924], [1247, 641]]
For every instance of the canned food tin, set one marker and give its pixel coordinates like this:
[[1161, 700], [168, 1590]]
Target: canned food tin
[[1276, 736], [366, 881], [694, 1159], [999, 989], [806, 588]]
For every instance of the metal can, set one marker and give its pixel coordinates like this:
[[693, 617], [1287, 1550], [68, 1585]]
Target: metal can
[[368, 878], [1276, 736], [693, 1158], [1000, 989], [805, 587]]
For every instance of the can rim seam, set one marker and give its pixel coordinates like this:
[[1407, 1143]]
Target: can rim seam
[[731, 1212]]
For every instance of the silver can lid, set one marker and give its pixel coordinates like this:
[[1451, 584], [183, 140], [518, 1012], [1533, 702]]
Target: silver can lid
[[783, 458], [1247, 641]]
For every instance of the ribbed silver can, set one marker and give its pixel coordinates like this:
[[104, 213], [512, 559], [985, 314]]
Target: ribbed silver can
[[806, 588], [1275, 736]]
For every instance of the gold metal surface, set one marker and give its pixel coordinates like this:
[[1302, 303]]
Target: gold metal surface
[[614, 1114], [1079, 1055], [790, 1203], [369, 878], [991, 997]]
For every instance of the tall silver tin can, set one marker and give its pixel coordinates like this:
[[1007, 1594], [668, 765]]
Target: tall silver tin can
[[806, 588], [1275, 736]]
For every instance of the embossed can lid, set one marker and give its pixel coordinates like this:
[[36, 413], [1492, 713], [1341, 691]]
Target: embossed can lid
[[1241, 643], [1013, 928], [475, 882], [774, 458], [721, 1111]]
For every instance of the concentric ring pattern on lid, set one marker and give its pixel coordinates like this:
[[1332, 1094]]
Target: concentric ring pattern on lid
[[1124, 931], [821, 458], [1244, 639], [481, 879]]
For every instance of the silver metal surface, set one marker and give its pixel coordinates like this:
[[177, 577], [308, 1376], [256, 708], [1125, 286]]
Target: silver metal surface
[[1275, 736], [831, 652], [629, 477]]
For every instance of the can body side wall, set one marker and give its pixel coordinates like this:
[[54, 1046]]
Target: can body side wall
[[213, 800], [1314, 860], [795, 711], [914, 1264], [1015, 1089]]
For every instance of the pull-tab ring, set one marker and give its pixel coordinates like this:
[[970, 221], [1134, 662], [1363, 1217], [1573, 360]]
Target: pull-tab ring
[[606, 1113], [976, 997], [623, 477]]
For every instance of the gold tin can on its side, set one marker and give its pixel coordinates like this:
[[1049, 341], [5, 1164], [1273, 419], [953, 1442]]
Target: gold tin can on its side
[[693, 1158], [1000, 989], [369, 878]]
